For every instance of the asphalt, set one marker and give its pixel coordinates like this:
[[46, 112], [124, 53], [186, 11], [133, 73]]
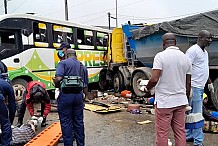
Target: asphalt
[[120, 129]]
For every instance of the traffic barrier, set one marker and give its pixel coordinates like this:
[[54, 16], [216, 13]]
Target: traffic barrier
[[48, 137]]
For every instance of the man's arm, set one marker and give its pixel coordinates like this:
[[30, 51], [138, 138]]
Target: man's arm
[[188, 85], [30, 108], [155, 75], [57, 81]]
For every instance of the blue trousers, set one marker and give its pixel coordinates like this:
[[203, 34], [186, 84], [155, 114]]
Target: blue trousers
[[6, 136], [196, 104], [70, 110]]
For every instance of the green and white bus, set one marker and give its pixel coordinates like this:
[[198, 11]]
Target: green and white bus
[[28, 47]]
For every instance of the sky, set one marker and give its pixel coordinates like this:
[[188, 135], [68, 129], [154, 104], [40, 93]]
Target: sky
[[95, 12]]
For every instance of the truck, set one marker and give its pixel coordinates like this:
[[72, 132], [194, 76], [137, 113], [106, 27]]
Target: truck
[[132, 49]]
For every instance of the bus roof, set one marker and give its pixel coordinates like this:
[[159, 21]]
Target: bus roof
[[60, 22]]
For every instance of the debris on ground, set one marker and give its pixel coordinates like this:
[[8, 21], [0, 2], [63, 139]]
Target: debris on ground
[[144, 122]]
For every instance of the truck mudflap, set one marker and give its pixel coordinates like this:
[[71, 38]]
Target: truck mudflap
[[142, 73]]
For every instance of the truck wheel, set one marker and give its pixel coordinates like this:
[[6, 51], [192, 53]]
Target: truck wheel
[[118, 82], [214, 97], [103, 83], [136, 81], [19, 86]]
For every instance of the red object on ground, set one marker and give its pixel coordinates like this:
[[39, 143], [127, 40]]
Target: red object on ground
[[126, 93]]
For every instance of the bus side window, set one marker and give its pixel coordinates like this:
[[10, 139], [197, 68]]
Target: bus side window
[[39, 32], [88, 37], [80, 36], [7, 45], [102, 41]]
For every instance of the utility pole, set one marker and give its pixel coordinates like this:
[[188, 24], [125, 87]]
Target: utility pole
[[116, 15], [66, 10], [109, 20], [5, 4]]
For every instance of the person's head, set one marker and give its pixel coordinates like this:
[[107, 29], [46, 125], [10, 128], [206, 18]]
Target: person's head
[[71, 53], [169, 39], [32, 124], [205, 98], [38, 96], [64, 46], [204, 38]]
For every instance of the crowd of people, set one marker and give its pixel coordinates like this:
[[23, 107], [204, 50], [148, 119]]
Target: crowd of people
[[176, 86], [70, 105]]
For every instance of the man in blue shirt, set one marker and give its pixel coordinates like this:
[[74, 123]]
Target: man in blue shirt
[[7, 111], [70, 105]]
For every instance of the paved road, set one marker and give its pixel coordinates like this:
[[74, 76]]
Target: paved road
[[121, 129]]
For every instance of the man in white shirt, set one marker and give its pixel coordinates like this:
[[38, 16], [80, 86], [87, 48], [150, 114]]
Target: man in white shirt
[[171, 76], [200, 76]]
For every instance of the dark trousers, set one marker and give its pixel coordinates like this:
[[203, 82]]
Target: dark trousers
[[22, 109], [6, 136], [70, 110]]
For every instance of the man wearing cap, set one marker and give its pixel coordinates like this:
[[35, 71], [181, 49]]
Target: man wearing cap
[[70, 104], [62, 50], [36, 93]]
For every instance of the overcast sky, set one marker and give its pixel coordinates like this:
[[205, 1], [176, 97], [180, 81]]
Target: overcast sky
[[94, 12]]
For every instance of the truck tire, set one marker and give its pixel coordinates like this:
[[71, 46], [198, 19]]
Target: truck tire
[[118, 82], [135, 83], [214, 97], [103, 83], [19, 86]]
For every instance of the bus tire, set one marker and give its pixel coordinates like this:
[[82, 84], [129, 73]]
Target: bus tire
[[19, 86], [136, 81], [118, 82], [214, 97]]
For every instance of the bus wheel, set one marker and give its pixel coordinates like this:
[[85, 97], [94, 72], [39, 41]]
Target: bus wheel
[[214, 97], [136, 81], [103, 83], [118, 82], [19, 86]]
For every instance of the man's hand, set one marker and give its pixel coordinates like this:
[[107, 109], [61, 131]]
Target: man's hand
[[34, 118], [211, 88], [40, 119]]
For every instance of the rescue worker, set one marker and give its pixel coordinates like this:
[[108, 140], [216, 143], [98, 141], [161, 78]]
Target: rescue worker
[[70, 105], [36, 93], [63, 49], [7, 111]]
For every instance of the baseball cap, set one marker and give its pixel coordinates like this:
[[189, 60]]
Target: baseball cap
[[64, 45]]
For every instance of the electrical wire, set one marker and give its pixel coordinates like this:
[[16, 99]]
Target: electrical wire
[[107, 10], [90, 20], [156, 18], [69, 7], [19, 5]]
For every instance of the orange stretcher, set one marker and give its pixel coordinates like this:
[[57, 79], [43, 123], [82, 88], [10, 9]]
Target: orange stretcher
[[48, 137]]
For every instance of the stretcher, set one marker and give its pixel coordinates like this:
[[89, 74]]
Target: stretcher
[[48, 137]]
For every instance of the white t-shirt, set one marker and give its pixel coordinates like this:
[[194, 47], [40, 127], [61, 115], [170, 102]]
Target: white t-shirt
[[170, 90], [200, 66]]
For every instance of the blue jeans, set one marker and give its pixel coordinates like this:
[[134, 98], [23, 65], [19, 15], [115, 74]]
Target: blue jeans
[[196, 104]]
